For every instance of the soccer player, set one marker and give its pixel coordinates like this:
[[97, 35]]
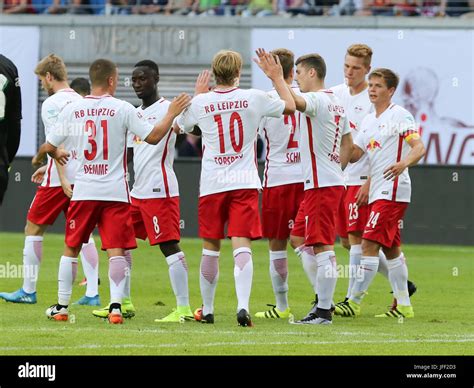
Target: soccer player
[[390, 139], [10, 119], [155, 194], [354, 211], [326, 144], [53, 196], [283, 190], [81, 86], [99, 123], [229, 118]]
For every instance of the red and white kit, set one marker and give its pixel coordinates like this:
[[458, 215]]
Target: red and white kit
[[283, 188], [384, 139], [352, 218], [50, 199], [99, 127], [155, 193], [229, 121], [322, 127]]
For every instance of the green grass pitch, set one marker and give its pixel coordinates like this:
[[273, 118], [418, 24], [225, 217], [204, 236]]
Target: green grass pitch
[[443, 323]]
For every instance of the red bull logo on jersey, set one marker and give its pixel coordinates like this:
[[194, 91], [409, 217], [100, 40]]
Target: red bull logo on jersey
[[137, 140], [373, 145]]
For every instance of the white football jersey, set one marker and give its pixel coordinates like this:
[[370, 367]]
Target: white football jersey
[[382, 139], [99, 125], [50, 112], [282, 143], [322, 126], [356, 107], [229, 121], [153, 164]]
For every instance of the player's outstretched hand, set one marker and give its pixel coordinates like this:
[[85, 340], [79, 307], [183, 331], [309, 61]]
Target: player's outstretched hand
[[38, 175], [394, 170], [269, 64], [179, 104], [202, 82], [61, 155]]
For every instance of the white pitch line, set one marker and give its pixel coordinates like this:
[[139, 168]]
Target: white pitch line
[[240, 343], [71, 328]]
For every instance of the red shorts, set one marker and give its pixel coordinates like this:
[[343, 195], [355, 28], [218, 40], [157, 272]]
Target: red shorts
[[237, 208], [156, 218], [47, 204], [280, 205], [112, 218], [356, 216], [320, 207], [383, 225], [299, 228], [341, 219]]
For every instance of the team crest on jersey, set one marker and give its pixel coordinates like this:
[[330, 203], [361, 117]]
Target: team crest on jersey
[[137, 140], [373, 145]]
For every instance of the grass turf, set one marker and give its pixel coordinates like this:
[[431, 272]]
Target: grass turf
[[443, 323]]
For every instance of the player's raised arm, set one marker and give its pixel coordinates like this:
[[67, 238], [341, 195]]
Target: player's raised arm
[[202, 82], [161, 129], [300, 102], [271, 66]]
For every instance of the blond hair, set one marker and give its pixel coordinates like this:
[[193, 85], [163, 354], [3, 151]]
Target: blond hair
[[53, 65], [361, 51], [391, 78], [226, 66], [287, 60]]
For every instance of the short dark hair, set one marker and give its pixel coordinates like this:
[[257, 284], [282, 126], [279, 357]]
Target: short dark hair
[[313, 61], [287, 60], [150, 64], [390, 77], [81, 86], [100, 71]]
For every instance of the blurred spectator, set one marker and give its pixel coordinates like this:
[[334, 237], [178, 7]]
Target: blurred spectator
[[259, 8], [179, 7], [77, 7], [146, 7], [206, 7], [81, 86], [454, 8], [117, 7], [17, 6]]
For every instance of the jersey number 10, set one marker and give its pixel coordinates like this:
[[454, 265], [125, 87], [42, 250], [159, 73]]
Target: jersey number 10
[[92, 133], [234, 117]]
